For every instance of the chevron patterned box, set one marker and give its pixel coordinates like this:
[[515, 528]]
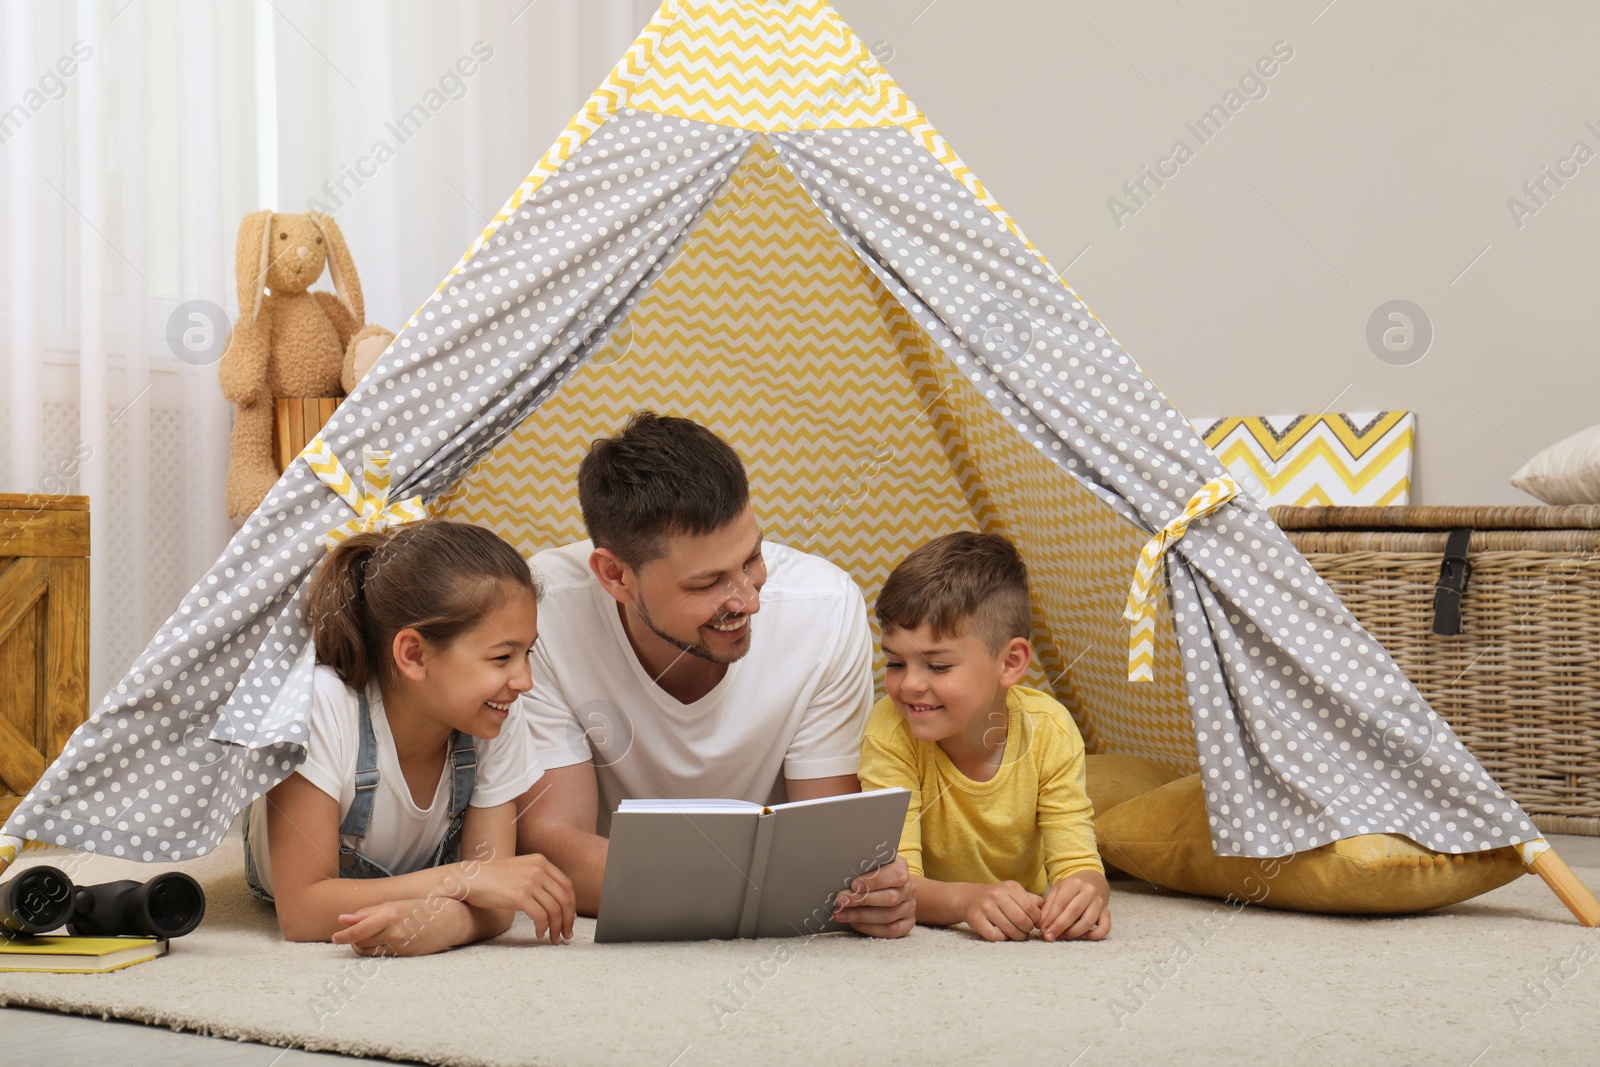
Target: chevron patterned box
[[1359, 458]]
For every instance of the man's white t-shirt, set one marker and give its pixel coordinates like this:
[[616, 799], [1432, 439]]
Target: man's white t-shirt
[[401, 836], [794, 705]]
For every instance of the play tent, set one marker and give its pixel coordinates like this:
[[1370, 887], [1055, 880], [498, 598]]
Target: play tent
[[750, 224]]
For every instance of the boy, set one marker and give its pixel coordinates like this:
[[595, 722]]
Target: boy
[[998, 834]]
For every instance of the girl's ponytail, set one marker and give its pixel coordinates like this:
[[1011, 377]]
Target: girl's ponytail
[[439, 578], [336, 608]]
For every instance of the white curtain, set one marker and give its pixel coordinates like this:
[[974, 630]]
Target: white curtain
[[135, 135]]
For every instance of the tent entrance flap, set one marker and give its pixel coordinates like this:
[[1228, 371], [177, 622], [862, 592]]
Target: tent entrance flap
[[861, 441]]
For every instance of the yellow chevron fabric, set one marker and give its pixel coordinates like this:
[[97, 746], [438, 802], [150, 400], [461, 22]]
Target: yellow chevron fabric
[[372, 507], [761, 66], [861, 439], [861, 442], [789, 65], [1080, 554], [1140, 612], [1359, 458], [325, 465], [769, 330]]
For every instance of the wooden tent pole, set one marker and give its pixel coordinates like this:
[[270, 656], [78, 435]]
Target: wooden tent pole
[[1579, 899]]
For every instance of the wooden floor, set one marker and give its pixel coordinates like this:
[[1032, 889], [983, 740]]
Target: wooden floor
[[47, 1039]]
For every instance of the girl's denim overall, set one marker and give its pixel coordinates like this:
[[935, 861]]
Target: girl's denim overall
[[463, 770]]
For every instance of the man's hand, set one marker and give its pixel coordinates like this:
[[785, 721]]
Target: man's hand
[[1076, 908], [880, 904], [529, 884], [1002, 911], [412, 927]]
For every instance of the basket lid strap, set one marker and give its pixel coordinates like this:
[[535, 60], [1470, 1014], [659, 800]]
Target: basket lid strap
[[1453, 574]]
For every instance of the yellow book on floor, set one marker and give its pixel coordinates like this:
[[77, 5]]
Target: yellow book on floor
[[77, 955]]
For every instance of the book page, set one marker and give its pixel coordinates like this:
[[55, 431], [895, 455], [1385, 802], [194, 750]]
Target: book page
[[699, 806], [676, 875], [839, 799], [817, 849]]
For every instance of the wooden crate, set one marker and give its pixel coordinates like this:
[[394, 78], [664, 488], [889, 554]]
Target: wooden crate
[[296, 421], [44, 634], [1520, 682]]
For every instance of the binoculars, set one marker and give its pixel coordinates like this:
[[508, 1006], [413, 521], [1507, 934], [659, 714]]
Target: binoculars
[[42, 899]]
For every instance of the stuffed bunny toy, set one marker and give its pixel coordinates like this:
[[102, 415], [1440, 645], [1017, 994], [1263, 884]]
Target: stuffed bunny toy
[[289, 342]]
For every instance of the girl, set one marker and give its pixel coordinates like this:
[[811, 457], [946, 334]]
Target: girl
[[397, 835]]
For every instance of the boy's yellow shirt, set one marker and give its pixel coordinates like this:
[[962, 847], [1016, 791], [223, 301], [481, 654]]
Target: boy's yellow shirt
[[1030, 823]]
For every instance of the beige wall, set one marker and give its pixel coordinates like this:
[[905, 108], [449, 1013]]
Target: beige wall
[[1377, 166]]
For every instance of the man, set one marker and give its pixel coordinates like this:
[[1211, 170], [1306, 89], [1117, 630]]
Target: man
[[653, 678]]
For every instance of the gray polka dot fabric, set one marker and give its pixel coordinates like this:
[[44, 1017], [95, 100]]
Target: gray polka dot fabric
[[1306, 731]]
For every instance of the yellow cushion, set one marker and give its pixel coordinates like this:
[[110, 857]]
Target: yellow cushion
[[1163, 837], [1112, 780]]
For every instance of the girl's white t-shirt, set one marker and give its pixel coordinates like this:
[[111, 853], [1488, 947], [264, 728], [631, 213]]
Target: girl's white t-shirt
[[794, 706], [401, 836]]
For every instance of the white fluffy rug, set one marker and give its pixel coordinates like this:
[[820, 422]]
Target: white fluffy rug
[[1508, 978]]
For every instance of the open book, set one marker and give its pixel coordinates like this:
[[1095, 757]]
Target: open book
[[688, 870]]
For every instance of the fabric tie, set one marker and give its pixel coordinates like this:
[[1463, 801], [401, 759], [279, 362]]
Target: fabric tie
[[373, 510], [1140, 611]]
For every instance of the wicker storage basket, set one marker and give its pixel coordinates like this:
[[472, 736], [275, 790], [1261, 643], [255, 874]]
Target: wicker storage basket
[[1520, 682]]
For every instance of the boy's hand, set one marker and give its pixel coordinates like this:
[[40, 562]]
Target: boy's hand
[[1076, 908], [1003, 911], [880, 904], [413, 927], [530, 884]]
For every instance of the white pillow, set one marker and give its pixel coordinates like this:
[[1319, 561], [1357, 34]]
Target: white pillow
[[1568, 472]]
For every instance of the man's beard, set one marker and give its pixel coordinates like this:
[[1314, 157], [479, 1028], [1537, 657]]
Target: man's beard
[[699, 648]]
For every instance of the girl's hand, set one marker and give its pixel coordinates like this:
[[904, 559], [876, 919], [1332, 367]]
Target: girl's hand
[[530, 884], [413, 927]]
